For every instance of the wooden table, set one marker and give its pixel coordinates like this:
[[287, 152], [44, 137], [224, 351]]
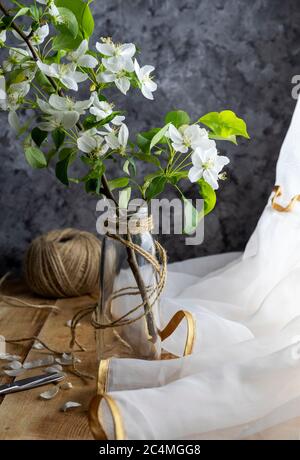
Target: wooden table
[[25, 415]]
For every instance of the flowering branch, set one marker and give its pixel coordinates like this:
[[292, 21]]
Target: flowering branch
[[25, 38], [41, 79]]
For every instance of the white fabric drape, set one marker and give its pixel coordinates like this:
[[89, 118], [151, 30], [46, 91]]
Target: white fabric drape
[[244, 375]]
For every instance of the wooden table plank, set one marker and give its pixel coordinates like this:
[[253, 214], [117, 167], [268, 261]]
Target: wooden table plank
[[17, 321], [24, 415]]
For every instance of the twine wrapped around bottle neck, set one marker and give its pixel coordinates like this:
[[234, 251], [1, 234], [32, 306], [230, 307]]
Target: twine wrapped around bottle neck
[[133, 224]]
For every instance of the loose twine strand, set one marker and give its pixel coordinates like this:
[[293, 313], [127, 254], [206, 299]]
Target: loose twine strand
[[153, 291], [21, 303], [159, 266]]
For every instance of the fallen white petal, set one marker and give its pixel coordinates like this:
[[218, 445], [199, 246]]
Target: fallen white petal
[[38, 346], [69, 405], [49, 394], [14, 372], [54, 368], [67, 359], [8, 357], [39, 362], [14, 365], [66, 386]]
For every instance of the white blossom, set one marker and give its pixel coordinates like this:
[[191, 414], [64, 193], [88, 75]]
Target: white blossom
[[207, 164], [13, 97], [117, 55], [92, 143], [16, 57], [66, 120], [63, 111], [187, 137], [115, 74], [148, 86], [52, 9], [65, 73], [37, 37], [40, 34], [102, 109], [118, 141], [80, 58]]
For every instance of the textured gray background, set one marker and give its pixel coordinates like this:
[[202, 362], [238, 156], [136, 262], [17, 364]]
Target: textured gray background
[[209, 55]]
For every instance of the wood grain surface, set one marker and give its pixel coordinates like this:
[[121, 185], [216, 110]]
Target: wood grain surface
[[25, 415]]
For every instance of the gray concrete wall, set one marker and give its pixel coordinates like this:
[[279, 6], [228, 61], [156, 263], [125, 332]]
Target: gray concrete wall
[[209, 55]]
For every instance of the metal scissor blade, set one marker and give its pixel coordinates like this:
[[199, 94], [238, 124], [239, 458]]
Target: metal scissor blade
[[31, 382]]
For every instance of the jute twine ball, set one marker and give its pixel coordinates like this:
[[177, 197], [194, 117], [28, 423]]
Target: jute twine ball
[[63, 263]]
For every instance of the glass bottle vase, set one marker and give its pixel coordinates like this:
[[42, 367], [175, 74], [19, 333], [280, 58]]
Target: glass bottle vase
[[128, 309]]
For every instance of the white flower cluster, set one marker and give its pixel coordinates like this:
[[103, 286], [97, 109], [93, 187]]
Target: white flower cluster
[[116, 65], [207, 163], [119, 64], [113, 135]]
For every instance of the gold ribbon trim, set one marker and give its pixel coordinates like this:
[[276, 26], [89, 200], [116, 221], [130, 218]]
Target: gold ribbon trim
[[278, 207], [102, 376], [94, 418], [191, 329], [96, 425]]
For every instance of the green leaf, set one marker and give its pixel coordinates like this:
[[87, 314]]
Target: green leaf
[[96, 172], [225, 124], [70, 24], [35, 12], [35, 157], [91, 121], [129, 167], [191, 217], [144, 138], [61, 170], [143, 143], [177, 118], [50, 155], [177, 176], [21, 12], [66, 42], [58, 137], [147, 158], [92, 186], [83, 15], [158, 136], [209, 196], [155, 187], [221, 138], [118, 183], [43, 81], [66, 157], [124, 197], [87, 23], [38, 136]]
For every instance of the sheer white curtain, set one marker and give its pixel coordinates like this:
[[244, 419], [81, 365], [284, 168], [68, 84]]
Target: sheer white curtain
[[244, 375]]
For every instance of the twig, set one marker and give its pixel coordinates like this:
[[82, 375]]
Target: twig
[[26, 39]]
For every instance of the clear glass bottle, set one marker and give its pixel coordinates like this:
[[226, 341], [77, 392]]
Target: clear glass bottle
[[127, 280]]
